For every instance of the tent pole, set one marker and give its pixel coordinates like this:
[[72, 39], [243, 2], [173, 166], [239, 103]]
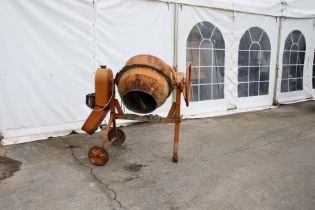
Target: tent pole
[[277, 68], [175, 41]]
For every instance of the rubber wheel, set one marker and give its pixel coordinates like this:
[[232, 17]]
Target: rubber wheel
[[98, 155], [120, 138]]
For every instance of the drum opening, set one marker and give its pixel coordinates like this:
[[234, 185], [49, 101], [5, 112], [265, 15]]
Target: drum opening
[[140, 102]]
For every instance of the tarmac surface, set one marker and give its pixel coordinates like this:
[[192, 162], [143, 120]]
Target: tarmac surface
[[258, 160]]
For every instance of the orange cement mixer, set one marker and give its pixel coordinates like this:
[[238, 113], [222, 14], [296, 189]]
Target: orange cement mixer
[[144, 84]]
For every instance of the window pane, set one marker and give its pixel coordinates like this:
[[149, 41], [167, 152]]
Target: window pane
[[194, 38], [255, 33], [288, 43], [205, 74], [313, 80], [243, 74], [255, 47], [293, 57], [285, 72], [286, 56], [205, 92], [264, 73], [265, 59], [192, 56], [263, 88], [264, 42], [219, 58], [301, 57], [253, 89], [206, 29], [206, 44], [218, 39], [218, 91], [284, 86], [254, 74], [292, 71], [299, 71], [301, 43], [194, 93], [292, 85], [206, 56], [299, 84], [245, 41], [254, 58], [218, 75], [242, 90], [195, 75], [243, 58], [295, 36]]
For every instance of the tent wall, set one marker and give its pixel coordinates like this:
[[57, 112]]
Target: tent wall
[[275, 8], [46, 67], [122, 32], [306, 27], [232, 25], [51, 49]]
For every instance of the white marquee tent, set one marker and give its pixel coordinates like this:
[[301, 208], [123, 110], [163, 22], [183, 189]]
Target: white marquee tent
[[246, 54]]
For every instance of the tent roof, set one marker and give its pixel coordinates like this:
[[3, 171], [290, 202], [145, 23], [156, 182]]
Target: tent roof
[[286, 8]]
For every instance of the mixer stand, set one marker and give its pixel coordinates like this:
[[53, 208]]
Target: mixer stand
[[99, 156]]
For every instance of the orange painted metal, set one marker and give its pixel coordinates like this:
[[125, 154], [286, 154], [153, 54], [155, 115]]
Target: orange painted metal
[[144, 83], [104, 87]]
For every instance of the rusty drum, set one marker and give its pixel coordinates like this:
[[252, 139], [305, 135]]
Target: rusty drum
[[144, 83]]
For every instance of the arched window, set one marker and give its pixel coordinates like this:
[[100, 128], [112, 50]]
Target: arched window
[[313, 77], [253, 63], [205, 51], [293, 62]]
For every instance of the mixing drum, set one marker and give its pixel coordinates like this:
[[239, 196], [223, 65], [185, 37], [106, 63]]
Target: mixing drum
[[144, 83]]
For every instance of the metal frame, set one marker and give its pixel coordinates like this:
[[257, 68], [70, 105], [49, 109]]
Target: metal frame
[[116, 113]]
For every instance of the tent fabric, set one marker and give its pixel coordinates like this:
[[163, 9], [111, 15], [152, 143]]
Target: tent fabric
[[277, 8], [51, 49], [46, 63]]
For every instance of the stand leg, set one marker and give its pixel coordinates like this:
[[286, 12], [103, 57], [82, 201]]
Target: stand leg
[[172, 110], [175, 145], [107, 129], [114, 125], [177, 126]]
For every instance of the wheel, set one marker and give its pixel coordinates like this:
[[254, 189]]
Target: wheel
[[120, 137], [98, 155]]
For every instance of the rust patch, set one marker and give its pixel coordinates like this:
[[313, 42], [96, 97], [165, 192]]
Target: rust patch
[[8, 167]]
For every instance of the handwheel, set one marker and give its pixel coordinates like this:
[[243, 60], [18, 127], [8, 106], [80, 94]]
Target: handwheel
[[187, 85], [98, 155], [119, 136]]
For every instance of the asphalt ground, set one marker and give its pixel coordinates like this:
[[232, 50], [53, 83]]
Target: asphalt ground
[[256, 160]]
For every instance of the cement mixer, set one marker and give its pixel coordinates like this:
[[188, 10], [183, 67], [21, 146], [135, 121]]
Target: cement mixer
[[144, 84]]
